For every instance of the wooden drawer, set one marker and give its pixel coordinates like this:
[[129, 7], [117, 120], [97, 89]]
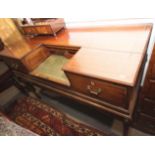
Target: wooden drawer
[[33, 59], [46, 29], [114, 94], [30, 30], [146, 123], [148, 107]]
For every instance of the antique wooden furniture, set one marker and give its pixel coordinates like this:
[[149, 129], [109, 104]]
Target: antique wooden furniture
[[44, 26], [99, 66], [145, 112]]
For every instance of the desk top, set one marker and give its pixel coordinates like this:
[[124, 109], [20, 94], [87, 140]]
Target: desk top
[[113, 53], [118, 67], [124, 38]]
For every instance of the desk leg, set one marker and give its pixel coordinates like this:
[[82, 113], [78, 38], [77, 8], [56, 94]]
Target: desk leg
[[32, 89], [26, 88], [20, 87], [126, 125]]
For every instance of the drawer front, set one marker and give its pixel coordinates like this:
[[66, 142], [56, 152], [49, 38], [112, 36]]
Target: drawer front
[[116, 95], [148, 107], [43, 29], [146, 123], [29, 30]]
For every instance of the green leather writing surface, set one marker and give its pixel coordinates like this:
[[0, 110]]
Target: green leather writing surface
[[51, 69]]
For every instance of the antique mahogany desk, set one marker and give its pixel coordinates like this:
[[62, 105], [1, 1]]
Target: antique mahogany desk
[[98, 66]]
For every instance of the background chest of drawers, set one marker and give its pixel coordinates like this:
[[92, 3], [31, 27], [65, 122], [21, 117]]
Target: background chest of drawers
[[145, 112]]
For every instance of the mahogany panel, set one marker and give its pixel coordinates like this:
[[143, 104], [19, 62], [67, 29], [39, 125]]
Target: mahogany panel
[[33, 59], [148, 107], [152, 68], [150, 93]]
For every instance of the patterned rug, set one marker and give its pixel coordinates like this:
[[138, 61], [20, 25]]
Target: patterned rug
[[9, 128], [46, 120]]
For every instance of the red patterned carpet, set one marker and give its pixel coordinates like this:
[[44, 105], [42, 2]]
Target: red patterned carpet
[[46, 120]]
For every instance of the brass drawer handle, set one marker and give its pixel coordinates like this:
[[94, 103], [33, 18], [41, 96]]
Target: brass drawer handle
[[94, 91]]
